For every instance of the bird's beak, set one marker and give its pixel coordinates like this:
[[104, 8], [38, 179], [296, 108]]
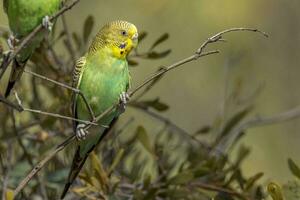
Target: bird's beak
[[135, 39]]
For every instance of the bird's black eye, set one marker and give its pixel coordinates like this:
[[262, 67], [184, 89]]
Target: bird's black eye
[[124, 33]]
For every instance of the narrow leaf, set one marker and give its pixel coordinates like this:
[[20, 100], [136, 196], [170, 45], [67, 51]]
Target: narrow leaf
[[132, 62], [88, 27], [252, 180], [294, 168], [155, 104], [235, 120], [157, 55], [77, 40], [142, 35], [203, 130], [182, 178], [116, 160], [143, 138], [161, 39], [100, 173]]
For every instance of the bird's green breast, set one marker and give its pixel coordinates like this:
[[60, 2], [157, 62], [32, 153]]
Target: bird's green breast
[[103, 80]]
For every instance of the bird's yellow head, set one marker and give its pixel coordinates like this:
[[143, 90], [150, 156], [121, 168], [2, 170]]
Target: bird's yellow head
[[275, 191], [119, 36]]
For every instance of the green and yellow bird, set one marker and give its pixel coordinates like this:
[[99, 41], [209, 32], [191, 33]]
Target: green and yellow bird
[[102, 75], [23, 17]]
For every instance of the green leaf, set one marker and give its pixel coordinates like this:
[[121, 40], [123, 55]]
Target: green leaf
[[294, 168], [142, 137], [242, 154], [88, 27], [142, 35], [157, 55], [239, 116], [161, 39], [132, 62], [116, 161], [251, 181], [204, 130], [77, 40], [100, 175], [182, 178], [155, 104]]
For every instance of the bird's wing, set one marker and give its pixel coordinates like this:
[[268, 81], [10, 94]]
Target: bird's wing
[[77, 74], [5, 5]]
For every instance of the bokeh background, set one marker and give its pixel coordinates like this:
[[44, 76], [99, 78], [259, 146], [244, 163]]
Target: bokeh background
[[196, 91]]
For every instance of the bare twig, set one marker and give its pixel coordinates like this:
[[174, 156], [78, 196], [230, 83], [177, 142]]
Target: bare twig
[[40, 165], [77, 91], [198, 54], [225, 143], [148, 88], [54, 114], [210, 187], [31, 35], [11, 104]]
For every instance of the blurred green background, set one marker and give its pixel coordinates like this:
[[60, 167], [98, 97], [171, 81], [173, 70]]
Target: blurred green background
[[196, 91]]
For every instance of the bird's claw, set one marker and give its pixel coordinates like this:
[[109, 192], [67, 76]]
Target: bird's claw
[[12, 41], [81, 133], [124, 98], [47, 24]]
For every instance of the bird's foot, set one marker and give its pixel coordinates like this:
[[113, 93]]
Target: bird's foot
[[12, 41], [81, 133], [124, 98], [47, 24]]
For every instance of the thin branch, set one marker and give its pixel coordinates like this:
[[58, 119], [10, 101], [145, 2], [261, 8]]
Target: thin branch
[[219, 189], [11, 104], [218, 37], [54, 114], [151, 78], [77, 91], [198, 54], [149, 87], [237, 132], [171, 67], [40, 165], [31, 35]]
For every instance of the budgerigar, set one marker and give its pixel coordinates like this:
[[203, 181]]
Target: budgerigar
[[103, 77], [23, 17]]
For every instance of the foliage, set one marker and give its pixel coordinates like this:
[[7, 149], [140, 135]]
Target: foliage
[[147, 164]]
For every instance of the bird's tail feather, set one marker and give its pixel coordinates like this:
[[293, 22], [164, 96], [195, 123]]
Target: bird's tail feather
[[15, 75], [78, 161], [77, 164]]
